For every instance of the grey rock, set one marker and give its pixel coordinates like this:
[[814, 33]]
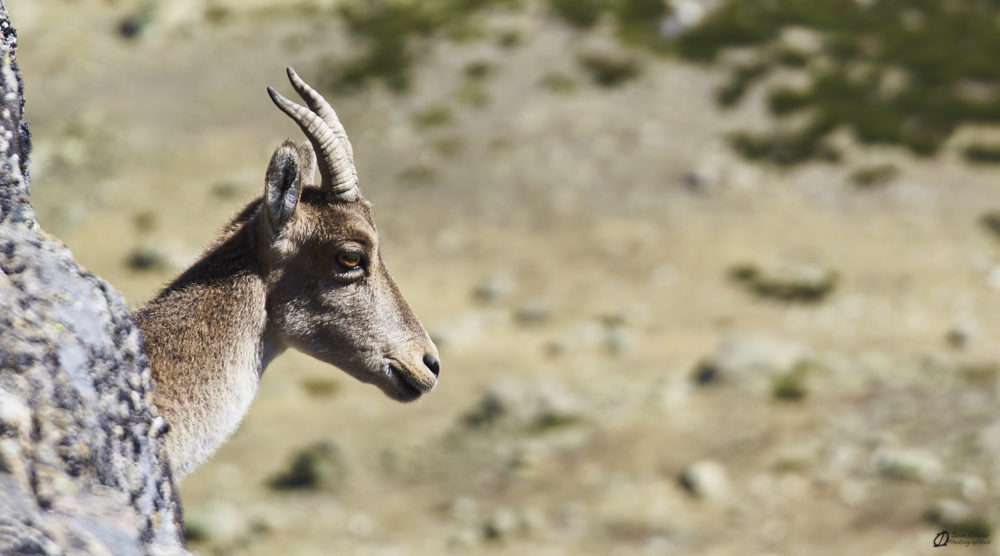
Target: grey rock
[[494, 288], [217, 522], [537, 407], [907, 464], [705, 479], [82, 461], [533, 311], [746, 358]]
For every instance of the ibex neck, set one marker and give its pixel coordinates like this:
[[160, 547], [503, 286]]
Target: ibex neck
[[207, 340]]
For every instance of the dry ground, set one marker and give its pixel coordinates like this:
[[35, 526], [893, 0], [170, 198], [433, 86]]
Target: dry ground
[[608, 272]]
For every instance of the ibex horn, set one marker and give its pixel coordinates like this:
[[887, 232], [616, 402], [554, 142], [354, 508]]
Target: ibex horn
[[327, 135]]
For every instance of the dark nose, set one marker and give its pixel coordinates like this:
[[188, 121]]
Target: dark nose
[[432, 363]]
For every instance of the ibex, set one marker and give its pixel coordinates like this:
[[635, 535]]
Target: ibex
[[298, 267]]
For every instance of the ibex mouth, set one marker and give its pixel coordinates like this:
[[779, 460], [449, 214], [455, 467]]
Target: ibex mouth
[[405, 386]]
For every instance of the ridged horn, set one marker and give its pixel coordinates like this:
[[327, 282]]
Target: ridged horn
[[329, 139]]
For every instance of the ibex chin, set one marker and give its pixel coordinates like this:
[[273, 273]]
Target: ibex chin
[[298, 267]]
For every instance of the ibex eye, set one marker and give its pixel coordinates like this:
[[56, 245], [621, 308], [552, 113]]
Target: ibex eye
[[349, 260]]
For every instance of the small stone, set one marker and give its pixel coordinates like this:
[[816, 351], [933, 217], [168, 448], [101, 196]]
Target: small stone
[[852, 493], [494, 288], [749, 358], [948, 511], [501, 524], [465, 509], [146, 258], [960, 334], [534, 311], [911, 465], [218, 522], [620, 341], [705, 479], [801, 39], [361, 525]]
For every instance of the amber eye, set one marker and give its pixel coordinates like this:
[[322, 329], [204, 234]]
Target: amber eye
[[349, 260]]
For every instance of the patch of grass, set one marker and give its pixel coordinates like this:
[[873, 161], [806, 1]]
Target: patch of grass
[[509, 38], [478, 70], [449, 146], [867, 43], [320, 466], [609, 71], [991, 221], [418, 174], [549, 421], [976, 527], [433, 116], [473, 94], [145, 221], [226, 190], [739, 83], [489, 411], [791, 386], [638, 23], [984, 372], [195, 531], [559, 83], [582, 14], [391, 29], [982, 153], [320, 387], [783, 148], [870, 177]]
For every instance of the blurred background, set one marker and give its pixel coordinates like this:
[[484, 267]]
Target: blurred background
[[713, 277]]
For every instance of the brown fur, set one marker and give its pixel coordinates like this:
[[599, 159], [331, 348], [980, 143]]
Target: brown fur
[[270, 281]]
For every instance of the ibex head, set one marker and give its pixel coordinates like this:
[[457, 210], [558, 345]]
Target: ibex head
[[328, 292]]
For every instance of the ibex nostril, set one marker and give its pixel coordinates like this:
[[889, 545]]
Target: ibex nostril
[[432, 363]]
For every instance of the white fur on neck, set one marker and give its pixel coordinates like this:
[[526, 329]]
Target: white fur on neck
[[219, 419]]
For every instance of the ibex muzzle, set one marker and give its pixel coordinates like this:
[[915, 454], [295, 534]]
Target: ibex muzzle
[[299, 267]]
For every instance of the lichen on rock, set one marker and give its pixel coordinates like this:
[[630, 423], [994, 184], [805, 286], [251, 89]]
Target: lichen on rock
[[82, 461]]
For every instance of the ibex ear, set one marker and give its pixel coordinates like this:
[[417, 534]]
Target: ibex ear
[[307, 159], [283, 185]]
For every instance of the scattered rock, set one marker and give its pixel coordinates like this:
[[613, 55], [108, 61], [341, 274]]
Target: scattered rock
[[320, 466], [705, 479], [494, 288], [533, 311], [620, 341], [147, 258], [499, 525], [907, 464], [684, 15], [801, 39], [960, 334], [461, 331], [798, 283], [536, 408], [218, 523], [360, 525], [948, 511], [750, 358]]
